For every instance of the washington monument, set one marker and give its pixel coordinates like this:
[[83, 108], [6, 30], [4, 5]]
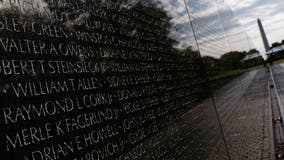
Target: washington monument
[[263, 35]]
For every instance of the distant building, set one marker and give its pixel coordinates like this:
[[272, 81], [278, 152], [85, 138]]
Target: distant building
[[252, 60], [251, 56], [275, 53], [275, 50]]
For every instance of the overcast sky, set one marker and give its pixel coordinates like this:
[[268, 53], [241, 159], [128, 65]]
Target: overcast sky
[[271, 12]]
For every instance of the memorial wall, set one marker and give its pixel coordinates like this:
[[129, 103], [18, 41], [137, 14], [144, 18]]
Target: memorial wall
[[107, 80]]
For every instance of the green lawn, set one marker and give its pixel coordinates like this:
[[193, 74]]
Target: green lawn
[[235, 72], [279, 61]]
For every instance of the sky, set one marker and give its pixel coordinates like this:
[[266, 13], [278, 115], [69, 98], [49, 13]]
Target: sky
[[270, 12]]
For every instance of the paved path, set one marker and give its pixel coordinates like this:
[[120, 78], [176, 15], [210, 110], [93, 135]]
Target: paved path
[[242, 107], [245, 114]]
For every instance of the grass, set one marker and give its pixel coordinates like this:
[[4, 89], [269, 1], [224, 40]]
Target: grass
[[236, 72], [279, 61]]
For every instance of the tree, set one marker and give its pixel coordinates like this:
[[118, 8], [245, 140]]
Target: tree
[[232, 56], [275, 44], [231, 60], [252, 51]]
